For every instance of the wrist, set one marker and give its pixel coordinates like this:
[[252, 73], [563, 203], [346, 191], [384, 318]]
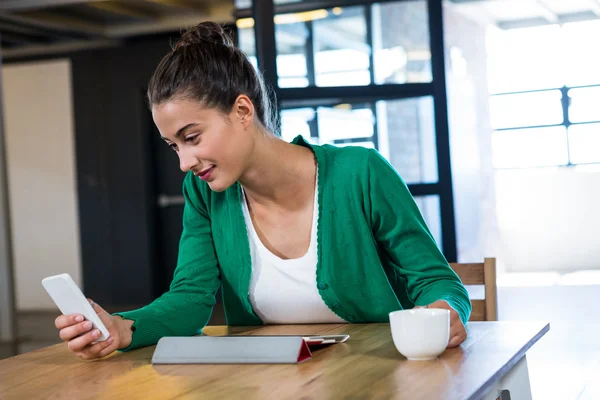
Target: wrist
[[125, 331]]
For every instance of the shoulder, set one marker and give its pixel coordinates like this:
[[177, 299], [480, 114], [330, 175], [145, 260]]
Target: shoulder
[[348, 157], [357, 160]]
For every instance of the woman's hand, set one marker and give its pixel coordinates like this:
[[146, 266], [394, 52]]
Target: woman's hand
[[79, 335], [458, 333]]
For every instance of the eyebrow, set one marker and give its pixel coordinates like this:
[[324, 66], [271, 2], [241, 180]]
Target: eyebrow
[[182, 130]]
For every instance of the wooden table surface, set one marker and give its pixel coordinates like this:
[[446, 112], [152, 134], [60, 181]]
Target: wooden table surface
[[367, 366]]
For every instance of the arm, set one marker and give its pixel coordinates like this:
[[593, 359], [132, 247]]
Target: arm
[[399, 228], [186, 308]]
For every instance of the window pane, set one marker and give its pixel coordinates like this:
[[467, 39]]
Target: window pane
[[243, 3], [583, 105], [406, 137], [430, 209], [291, 53], [248, 3], [401, 42], [582, 60], [534, 147], [345, 121], [341, 49], [368, 144], [405, 133], [246, 40], [526, 109], [296, 122], [525, 59], [584, 143]]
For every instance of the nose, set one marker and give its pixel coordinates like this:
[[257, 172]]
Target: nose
[[187, 161]]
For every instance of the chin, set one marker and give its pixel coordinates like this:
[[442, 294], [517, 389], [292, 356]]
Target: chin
[[218, 186]]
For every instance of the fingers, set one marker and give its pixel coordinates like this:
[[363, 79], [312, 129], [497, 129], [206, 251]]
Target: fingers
[[107, 350], [67, 320], [104, 316], [81, 335], [456, 341], [79, 343], [71, 332], [95, 306], [458, 333], [97, 350]]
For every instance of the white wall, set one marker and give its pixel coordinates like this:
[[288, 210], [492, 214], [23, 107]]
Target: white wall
[[549, 218], [38, 115], [470, 136]]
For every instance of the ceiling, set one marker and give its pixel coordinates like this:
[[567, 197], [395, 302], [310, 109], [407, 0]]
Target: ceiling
[[37, 27], [507, 14], [34, 27]]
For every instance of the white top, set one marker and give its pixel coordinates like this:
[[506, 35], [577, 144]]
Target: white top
[[285, 291]]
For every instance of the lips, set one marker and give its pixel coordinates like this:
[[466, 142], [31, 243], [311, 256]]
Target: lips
[[205, 173]]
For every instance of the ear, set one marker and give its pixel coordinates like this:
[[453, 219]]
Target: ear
[[243, 110]]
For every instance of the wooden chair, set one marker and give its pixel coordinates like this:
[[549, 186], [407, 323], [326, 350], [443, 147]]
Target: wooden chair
[[480, 274]]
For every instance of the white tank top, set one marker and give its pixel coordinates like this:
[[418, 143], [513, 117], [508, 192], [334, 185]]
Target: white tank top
[[285, 291]]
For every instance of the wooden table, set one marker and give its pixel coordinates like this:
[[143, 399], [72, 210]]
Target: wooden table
[[367, 366]]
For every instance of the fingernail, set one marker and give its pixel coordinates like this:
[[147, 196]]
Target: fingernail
[[87, 325], [79, 318], [109, 340], [96, 333]]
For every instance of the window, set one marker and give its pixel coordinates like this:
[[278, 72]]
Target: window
[[362, 74], [584, 143], [584, 104], [331, 47], [429, 206], [526, 109], [403, 131], [545, 85], [533, 147], [402, 54]]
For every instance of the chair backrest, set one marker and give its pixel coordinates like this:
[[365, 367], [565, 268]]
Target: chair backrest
[[480, 274]]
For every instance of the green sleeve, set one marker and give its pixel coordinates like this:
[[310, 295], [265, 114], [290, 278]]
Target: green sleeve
[[186, 308], [400, 229]]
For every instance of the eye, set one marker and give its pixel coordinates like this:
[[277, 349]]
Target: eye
[[191, 138], [173, 146]]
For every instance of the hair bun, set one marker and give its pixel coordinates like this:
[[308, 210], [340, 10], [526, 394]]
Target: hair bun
[[204, 32]]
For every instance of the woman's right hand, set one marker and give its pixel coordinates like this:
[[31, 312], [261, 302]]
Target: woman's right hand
[[79, 335]]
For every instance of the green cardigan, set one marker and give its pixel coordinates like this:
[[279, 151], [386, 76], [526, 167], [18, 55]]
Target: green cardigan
[[375, 252]]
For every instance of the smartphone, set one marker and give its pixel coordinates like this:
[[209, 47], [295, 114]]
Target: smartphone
[[327, 339], [70, 300]]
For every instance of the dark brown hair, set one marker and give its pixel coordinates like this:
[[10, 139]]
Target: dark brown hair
[[205, 66]]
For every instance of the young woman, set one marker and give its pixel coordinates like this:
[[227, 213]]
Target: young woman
[[291, 232]]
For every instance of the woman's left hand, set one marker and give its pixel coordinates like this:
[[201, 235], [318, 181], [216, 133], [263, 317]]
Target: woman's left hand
[[458, 333]]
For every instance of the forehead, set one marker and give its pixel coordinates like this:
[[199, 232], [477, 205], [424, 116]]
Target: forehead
[[173, 115], [176, 109]]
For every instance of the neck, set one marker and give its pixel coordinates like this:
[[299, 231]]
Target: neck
[[279, 174]]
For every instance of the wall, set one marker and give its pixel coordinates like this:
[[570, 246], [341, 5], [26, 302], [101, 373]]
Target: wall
[[470, 137], [115, 172], [412, 149], [549, 219], [38, 116], [7, 314], [529, 219]]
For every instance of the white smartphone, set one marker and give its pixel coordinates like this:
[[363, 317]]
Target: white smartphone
[[327, 339], [70, 300]]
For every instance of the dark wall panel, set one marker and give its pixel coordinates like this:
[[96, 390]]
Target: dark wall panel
[[114, 172]]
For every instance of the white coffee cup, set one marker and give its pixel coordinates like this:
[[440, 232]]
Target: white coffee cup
[[422, 333]]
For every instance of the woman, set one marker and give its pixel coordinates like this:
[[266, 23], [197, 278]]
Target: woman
[[292, 233]]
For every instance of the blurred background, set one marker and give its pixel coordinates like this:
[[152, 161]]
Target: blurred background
[[487, 108]]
